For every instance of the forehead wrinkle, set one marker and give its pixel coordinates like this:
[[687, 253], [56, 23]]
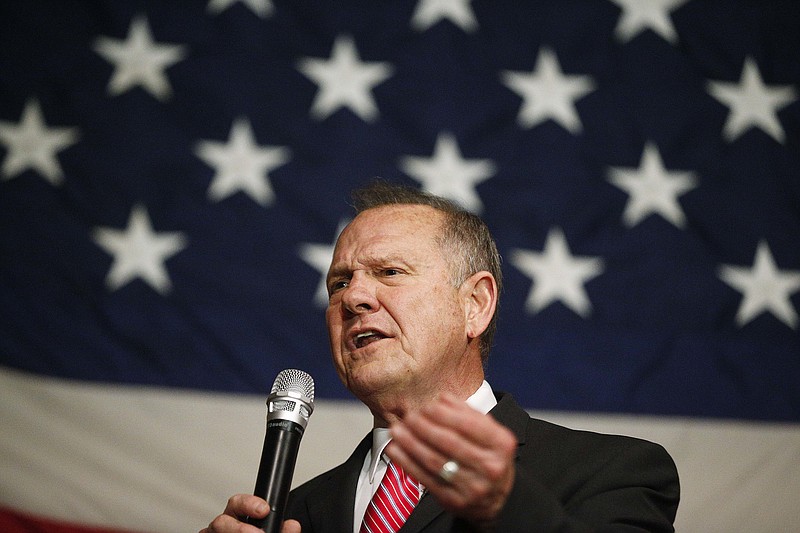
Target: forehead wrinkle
[[367, 261], [379, 248]]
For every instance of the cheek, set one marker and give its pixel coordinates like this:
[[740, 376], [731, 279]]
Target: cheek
[[332, 320], [337, 357], [334, 327], [435, 318]]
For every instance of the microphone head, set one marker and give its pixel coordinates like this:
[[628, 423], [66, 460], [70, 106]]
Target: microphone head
[[297, 381], [292, 397]]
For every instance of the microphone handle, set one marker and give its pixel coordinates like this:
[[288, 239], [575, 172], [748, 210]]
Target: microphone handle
[[278, 457]]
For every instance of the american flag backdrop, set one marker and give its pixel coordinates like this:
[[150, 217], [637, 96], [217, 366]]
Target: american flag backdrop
[[173, 176]]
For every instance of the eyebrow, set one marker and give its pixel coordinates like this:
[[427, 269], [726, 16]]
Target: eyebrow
[[335, 273], [368, 262]]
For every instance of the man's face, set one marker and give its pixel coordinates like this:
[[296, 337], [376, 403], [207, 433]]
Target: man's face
[[397, 325]]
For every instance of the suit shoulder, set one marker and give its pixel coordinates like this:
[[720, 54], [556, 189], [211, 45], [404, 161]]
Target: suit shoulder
[[555, 448], [541, 432]]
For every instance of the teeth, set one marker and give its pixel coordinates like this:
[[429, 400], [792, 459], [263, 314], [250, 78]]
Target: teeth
[[363, 338]]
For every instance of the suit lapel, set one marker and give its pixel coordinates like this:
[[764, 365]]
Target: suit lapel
[[510, 414], [330, 508], [423, 514]]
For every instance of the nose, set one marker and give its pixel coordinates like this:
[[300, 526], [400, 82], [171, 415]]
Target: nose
[[359, 297]]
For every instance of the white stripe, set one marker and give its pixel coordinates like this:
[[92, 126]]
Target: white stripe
[[166, 460], [399, 496], [393, 502], [378, 515], [385, 501], [144, 458]]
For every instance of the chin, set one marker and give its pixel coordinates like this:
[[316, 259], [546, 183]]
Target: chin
[[367, 381]]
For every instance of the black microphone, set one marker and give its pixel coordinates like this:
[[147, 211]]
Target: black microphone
[[289, 407]]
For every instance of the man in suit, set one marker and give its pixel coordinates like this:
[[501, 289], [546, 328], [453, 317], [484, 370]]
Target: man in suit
[[414, 286]]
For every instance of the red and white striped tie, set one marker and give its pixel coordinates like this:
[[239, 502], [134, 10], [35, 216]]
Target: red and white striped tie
[[392, 503]]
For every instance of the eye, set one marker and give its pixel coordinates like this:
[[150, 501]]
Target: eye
[[391, 272], [337, 285]]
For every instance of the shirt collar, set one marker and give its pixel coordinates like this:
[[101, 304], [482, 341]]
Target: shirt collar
[[482, 400], [380, 438]]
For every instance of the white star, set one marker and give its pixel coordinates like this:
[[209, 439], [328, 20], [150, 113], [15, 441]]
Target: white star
[[652, 189], [139, 252], [241, 164], [639, 15], [429, 12], [764, 288], [548, 93], [139, 60], [344, 81], [447, 174], [752, 103], [557, 275], [262, 8], [319, 257], [31, 144]]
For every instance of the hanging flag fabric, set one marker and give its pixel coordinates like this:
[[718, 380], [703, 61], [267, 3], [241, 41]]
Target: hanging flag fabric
[[173, 178]]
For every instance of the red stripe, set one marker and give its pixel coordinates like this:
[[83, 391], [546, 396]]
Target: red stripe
[[12, 521], [392, 503]]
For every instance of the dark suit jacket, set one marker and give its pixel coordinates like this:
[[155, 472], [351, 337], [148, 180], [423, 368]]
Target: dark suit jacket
[[566, 480]]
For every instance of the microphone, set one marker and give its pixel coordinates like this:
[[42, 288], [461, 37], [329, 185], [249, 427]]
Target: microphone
[[289, 407]]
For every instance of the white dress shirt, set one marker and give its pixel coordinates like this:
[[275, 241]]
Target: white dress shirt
[[375, 463]]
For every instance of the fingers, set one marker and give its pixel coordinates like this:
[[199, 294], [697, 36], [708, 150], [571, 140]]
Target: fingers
[[451, 429], [228, 524], [291, 526], [246, 505], [238, 507], [482, 448], [483, 430]]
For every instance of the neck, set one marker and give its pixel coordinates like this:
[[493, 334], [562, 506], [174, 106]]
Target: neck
[[387, 410]]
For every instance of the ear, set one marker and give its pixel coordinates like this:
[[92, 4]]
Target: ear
[[479, 293]]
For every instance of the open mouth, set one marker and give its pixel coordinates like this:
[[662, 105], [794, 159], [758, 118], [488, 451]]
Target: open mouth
[[366, 338]]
